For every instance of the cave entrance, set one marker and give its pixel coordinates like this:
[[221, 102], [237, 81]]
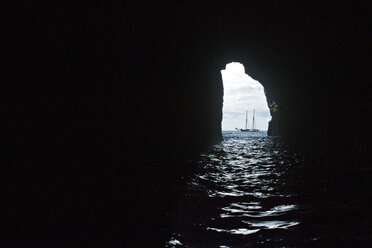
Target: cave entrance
[[242, 96]]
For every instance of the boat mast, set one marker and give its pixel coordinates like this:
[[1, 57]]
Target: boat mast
[[246, 119], [253, 120]]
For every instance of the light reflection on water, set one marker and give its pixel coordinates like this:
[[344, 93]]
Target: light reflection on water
[[242, 195], [232, 181]]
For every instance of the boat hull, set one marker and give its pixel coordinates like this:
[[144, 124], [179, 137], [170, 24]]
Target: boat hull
[[247, 130]]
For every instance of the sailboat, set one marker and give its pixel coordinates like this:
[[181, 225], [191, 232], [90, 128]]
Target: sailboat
[[246, 123]]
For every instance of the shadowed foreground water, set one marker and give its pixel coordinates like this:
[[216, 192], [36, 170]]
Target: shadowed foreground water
[[252, 191]]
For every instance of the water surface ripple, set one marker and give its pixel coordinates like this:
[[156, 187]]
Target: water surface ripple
[[252, 191]]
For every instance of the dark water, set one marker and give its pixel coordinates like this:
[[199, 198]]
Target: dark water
[[252, 191]]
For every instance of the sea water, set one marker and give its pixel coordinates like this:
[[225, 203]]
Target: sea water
[[252, 190]]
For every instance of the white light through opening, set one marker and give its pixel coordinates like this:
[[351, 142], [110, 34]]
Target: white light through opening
[[242, 93]]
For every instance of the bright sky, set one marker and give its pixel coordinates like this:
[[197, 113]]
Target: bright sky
[[242, 93]]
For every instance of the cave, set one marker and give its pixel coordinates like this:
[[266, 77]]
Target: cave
[[243, 98], [105, 104]]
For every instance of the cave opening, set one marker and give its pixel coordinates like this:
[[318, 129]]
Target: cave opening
[[244, 100]]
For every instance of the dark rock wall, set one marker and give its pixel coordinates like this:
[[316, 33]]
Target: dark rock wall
[[312, 59], [146, 78]]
